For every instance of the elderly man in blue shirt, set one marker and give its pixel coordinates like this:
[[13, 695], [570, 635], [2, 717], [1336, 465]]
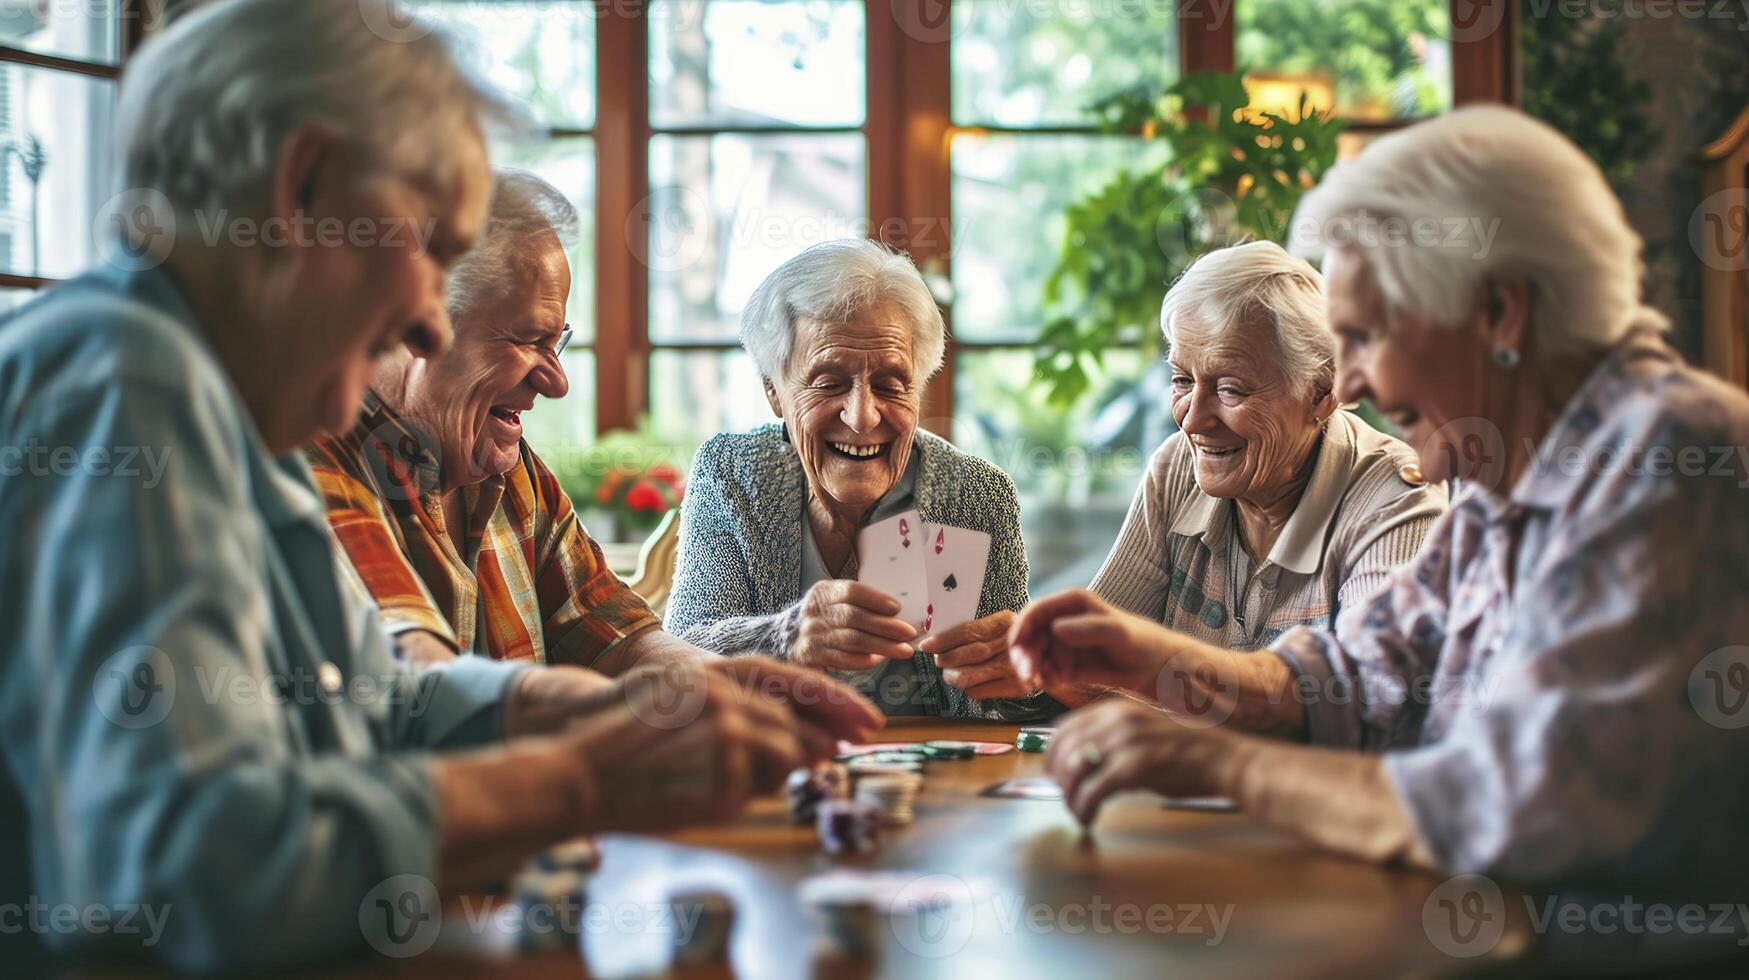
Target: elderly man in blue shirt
[[206, 731]]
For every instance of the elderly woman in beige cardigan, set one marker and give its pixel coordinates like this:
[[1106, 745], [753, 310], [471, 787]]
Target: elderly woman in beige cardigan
[[1271, 507]]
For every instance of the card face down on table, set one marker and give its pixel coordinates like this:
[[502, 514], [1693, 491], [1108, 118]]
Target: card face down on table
[[935, 571]]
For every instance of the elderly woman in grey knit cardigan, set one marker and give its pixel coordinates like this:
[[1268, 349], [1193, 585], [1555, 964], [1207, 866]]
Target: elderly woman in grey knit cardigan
[[845, 335], [1271, 507]]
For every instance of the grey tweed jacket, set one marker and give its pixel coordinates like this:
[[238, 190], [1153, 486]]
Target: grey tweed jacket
[[738, 587]]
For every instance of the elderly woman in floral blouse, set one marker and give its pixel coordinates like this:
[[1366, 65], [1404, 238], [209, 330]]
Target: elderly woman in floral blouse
[[845, 335], [1545, 694]]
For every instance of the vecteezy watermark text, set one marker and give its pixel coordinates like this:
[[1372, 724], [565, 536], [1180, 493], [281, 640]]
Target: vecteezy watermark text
[[143, 463], [41, 918]]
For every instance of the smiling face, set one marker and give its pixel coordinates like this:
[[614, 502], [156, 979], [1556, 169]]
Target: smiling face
[[1251, 428], [1429, 380], [849, 398], [472, 399]]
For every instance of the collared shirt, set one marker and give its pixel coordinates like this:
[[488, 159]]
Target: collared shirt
[[199, 715], [1178, 559], [1558, 675], [530, 583], [895, 686]]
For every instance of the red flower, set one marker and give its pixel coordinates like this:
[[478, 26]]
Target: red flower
[[664, 473], [645, 497]]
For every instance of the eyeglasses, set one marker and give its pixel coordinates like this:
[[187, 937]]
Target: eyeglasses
[[564, 339]]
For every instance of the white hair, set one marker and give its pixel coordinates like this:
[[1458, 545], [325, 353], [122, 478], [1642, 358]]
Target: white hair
[[1485, 194], [830, 283], [525, 209], [206, 105], [1229, 286]]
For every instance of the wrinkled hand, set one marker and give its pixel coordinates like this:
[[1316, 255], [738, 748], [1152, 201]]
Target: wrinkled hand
[[1121, 744], [1077, 638], [546, 699], [681, 745], [422, 648], [850, 626], [825, 709], [974, 658]]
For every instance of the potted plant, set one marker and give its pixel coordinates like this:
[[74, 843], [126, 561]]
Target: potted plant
[[1230, 174]]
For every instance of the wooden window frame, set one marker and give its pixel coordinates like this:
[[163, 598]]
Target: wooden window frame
[[132, 18], [908, 127], [909, 131]]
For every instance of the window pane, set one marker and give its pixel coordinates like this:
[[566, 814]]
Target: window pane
[[726, 210], [1077, 470], [702, 393], [1021, 64], [565, 427], [55, 146], [756, 63], [569, 165], [1385, 59], [84, 30], [540, 52], [1009, 193]]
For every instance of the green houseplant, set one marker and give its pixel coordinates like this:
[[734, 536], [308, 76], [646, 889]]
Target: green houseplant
[[1230, 174]]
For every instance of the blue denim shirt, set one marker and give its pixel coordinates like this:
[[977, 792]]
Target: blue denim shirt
[[201, 715]]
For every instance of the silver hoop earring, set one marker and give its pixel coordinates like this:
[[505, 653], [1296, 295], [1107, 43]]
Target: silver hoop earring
[[1506, 357]]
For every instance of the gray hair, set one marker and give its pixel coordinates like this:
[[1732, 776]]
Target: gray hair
[[830, 283], [1229, 286], [206, 105], [525, 209], [1443, 207]]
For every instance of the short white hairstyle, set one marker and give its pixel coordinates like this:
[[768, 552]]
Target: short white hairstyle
[[830, 283], [1484, 194], [525, 211], [206, 105], [1231, 286]]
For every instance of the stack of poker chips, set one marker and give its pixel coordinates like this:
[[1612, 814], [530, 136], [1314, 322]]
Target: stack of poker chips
[[946, 749], [1033, 739], [808, 788], [888, 761], [852, 916], [713, 923], [542, 909], [847, 826], [894, 795]]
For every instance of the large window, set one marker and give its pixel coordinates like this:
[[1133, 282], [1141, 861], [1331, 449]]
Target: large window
[[59, 64], [756, 151], [1023, 149], [542, 54]]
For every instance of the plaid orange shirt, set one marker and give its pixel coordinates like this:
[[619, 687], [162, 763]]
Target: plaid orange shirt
[[532, 585]]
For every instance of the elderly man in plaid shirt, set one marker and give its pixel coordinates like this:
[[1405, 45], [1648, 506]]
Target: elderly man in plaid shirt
[[458, 531]]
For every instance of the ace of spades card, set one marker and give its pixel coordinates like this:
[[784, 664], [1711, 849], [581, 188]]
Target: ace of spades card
[[890, 553], [954, 559]]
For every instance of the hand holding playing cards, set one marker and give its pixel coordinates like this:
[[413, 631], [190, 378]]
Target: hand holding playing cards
[[974, 658], [850, 626], [1075, 637], [1121, 744]]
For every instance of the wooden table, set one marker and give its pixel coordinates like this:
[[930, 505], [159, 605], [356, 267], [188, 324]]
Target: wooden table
[[1226, 896]]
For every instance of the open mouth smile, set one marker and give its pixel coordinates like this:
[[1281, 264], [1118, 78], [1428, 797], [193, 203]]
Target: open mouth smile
[[859, 453]]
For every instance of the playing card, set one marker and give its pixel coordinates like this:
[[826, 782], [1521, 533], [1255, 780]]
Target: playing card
[[1027, 788], [891, 556], [954, 559]]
